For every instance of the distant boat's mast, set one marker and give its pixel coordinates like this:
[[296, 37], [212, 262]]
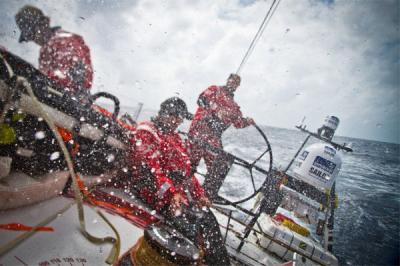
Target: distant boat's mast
[[138, 110]]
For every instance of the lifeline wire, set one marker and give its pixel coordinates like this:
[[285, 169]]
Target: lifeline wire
[[260, 31]]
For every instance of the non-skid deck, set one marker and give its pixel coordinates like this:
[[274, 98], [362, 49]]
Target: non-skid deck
[[66, 245]]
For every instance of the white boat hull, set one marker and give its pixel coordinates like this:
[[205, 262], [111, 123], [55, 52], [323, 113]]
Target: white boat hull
[[66, 245]]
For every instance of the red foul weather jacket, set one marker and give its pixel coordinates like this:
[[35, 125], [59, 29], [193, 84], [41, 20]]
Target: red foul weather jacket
[[161, 166], [217, 111], [65, 58]]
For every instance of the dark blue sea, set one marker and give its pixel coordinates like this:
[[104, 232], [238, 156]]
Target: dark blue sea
[[367, 221]]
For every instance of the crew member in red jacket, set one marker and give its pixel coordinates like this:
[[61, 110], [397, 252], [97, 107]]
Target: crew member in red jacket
[[64, 56], [217, 111], [162, 177]]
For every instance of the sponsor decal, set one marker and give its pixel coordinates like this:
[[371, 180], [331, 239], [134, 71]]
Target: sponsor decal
[[318, 173], [330, 151], [298, 164], [303, 155], [324, 164], [303, 245]]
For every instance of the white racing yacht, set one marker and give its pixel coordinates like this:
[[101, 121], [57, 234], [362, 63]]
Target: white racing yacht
[[49, 218]]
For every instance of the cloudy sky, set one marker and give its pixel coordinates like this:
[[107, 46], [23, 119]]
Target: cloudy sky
[[315, 58]]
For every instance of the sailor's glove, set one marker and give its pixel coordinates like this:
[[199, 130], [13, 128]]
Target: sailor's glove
[[177, 201], [177, 177], [204, 202], [250, 121]]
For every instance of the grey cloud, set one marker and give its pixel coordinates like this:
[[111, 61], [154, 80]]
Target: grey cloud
[[338, 57]]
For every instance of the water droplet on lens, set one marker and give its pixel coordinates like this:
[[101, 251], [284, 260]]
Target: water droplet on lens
[[40, 135], [54, 156]]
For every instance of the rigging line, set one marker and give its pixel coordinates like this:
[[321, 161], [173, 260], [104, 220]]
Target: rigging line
[[255, 37], [264, 26], [260, 31], [258, 35]]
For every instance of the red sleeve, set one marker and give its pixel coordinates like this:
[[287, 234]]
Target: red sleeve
[[240, 121], [229, 111], [197, 190], [61, 56], [147, 151], [83, 53], [209, 92], [207, 98]]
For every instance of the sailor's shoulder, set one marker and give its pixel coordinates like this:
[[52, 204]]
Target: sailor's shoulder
[[147, 128], [65, 37], [211, 90], [145, 125], [214, 88]]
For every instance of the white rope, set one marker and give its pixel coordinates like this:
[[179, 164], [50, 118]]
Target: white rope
[[260, 31]]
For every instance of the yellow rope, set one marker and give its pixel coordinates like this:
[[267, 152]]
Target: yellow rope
[[296, 228], [145, 255]]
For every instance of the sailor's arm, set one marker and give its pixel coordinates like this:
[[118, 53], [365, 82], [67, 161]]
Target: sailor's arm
[[239, 120], [147, 148], [69, 64], [197, 190], [207, 97], [81, 71], [244, 122]]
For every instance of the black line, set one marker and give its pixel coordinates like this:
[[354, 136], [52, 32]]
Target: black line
[[21, 261]]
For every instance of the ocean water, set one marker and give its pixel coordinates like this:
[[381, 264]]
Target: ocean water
[[367, 221]]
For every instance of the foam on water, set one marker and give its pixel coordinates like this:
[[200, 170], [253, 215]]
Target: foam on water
[[366, 222]]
